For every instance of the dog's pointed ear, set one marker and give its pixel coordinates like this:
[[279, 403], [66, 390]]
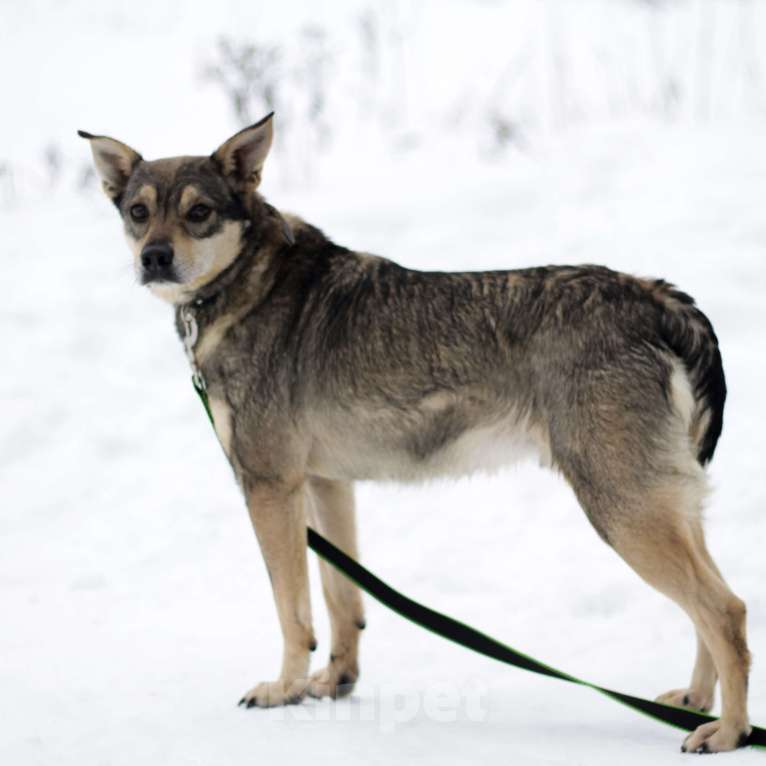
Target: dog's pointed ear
[[241, 158], [114, 162]]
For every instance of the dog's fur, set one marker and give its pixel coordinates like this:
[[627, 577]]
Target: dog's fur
[[324, 366]]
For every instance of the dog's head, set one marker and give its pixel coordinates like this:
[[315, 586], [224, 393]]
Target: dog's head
[[185, 217]]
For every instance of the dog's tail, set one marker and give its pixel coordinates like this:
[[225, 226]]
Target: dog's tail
[[688, 333]]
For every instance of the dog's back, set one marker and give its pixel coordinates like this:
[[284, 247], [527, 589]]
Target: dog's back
[[416, 369]]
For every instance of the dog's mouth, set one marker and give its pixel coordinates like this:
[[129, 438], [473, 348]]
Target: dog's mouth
[[165, 276]]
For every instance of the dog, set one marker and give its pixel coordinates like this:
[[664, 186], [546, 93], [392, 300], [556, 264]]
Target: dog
[[324, 366]]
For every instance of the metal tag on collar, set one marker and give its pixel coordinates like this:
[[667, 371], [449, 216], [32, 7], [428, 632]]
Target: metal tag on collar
[[191, 333]]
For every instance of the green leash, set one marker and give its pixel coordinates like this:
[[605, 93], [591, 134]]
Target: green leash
[[466, 636]]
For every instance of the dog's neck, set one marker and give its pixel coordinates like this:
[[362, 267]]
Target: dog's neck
[[246, 281], [257, 241], [210, 291]]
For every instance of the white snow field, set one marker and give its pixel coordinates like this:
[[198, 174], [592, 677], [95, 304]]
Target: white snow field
[[134, 606]]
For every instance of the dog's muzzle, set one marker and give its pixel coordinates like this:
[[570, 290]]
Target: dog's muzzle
[[157, 263]]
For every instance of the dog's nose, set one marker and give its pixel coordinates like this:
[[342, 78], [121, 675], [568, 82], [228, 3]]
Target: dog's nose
[[156, 258]]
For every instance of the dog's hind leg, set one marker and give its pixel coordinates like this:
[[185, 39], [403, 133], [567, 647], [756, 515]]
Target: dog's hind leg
[[332, 514], [700, 693], [277, 511], [654, 528]]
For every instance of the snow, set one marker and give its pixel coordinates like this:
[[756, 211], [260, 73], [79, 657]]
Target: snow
[[135, 606]]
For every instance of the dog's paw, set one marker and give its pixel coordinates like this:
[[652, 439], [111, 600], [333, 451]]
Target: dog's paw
[[275, 693], [688, 698], [715, 737], [336, 680]]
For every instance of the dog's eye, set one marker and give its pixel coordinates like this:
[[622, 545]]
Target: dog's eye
[[139, 213], [198, 213]]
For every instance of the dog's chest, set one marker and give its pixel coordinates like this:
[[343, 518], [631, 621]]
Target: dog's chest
[[211, 341]]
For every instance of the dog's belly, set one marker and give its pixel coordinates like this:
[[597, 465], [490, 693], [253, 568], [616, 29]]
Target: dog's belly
[[359, 454]]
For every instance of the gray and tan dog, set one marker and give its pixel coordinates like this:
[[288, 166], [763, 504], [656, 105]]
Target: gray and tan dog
[[324, 366]]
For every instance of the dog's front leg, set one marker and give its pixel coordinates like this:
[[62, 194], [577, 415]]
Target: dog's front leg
[[277, 510]]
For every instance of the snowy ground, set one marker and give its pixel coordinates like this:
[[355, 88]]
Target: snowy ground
[[136, 609]]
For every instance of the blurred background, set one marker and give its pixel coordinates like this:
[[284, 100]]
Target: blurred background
[[449, 134], [489, 77]]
